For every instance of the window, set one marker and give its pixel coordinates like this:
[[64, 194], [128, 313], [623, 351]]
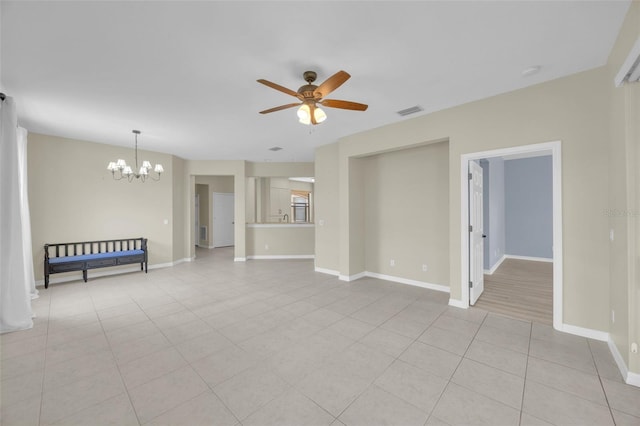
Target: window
[[300, 206]]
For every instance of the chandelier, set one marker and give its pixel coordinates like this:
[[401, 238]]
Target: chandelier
[[120, 170]]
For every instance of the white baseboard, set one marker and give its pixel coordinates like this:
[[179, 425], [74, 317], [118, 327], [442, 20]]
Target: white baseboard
[[239, 259], [204, 246], [513, 256], [602, 336], [533, 259], [496, 266], [629, 377], [327, 271], [416, 283], [632, 379], [281, 256], [423, 284], [457, 304], [352, 277]]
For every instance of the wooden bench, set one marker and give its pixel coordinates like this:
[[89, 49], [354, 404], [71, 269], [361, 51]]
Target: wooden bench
[[82, 256]]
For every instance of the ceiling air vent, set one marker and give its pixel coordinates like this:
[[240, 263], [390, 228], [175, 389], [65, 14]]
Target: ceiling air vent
[[410, 111], [275, 148], [630, 71]]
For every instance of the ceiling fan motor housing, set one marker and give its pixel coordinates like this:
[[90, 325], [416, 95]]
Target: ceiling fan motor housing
[[307, 91]]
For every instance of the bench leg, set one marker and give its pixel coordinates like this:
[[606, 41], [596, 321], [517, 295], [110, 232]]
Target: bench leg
[[46, 280], [84, 275]]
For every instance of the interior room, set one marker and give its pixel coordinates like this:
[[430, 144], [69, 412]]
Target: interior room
[[518, 236], [183, 242]]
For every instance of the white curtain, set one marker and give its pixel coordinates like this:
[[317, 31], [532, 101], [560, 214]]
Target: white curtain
[[27, 248], [16, 264]]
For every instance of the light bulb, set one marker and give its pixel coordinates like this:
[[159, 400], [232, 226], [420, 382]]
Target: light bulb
[[319, 115], [304, 114]]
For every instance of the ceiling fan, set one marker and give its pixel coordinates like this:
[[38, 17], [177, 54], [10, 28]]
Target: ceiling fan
[[311, 95]]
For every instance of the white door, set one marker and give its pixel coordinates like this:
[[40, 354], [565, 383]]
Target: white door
[[476, 246], [223, 219]]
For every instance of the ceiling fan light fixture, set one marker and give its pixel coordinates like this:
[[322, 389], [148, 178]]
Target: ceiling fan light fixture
[[304, 114]]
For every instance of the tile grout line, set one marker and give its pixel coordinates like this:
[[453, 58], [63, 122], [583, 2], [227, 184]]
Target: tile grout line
[[115, 360], [526, 369], [457, 366], [44, 364], [606, 397]]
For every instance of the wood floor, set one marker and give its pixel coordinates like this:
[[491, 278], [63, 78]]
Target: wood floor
[[520, 289]]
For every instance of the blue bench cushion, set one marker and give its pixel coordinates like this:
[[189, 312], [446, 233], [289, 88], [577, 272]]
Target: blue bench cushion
[[95, 256]]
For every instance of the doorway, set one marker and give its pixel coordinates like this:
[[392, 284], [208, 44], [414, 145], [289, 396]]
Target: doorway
[[196, 231], [468, 248], [223, 219]]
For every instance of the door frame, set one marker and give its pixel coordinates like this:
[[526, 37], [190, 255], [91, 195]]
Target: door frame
[[554, 148]]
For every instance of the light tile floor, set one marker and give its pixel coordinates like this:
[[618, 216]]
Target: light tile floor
[[215, 342]]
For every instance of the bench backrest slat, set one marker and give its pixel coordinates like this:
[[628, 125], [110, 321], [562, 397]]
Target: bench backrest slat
[[91, 247]]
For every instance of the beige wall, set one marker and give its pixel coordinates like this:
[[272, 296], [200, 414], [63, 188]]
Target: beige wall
[[569, 109], [406, 205], [280, 240], [178, 210], [327, 209], [280, 169], [251, 200], [624, 199], [223, 184], [73, 197]]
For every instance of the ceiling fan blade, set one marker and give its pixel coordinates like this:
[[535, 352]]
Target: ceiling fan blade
[[331, 84], [312, 113], [279, 88], [335, 103], [278, 108]]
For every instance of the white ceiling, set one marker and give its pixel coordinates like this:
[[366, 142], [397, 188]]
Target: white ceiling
[[184, 73]]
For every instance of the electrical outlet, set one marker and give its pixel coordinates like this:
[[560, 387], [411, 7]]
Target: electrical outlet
[[321, 223], [634, 348], [392, 262], [425, 268], [613, 316], [266, 246]]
